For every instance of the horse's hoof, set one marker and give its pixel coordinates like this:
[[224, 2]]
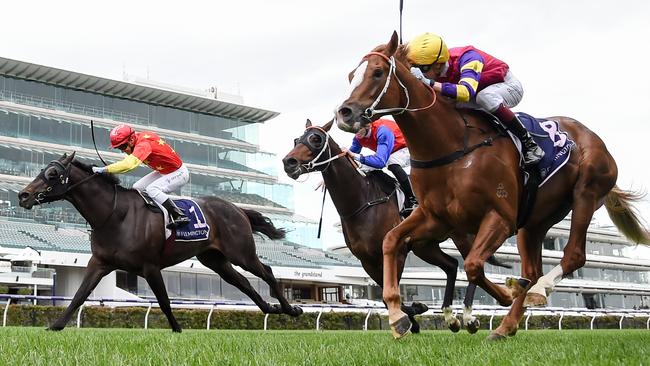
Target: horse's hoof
[[296, 311], [54, 328], [454, 326], [177, 330], [401, 328], [415, 326], [419, 308], [275, 309], [473, 326], [534, 300], [513, 332], [494, 336]]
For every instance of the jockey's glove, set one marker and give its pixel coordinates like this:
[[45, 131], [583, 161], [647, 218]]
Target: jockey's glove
[[355, 156], [99, 169], [420, 76]]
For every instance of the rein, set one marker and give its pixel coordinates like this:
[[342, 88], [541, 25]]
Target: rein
[[309, 167], [371, 111], [449, 158], [67, 189]]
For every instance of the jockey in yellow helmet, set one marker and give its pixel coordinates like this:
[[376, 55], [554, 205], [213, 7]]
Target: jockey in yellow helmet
[[475, 79]]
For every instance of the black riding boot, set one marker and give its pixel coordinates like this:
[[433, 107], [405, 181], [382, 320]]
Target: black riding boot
[[176, 215], [410, 202], [532, 152]]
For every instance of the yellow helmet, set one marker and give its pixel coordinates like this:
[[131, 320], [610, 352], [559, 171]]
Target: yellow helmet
[[426, 49]]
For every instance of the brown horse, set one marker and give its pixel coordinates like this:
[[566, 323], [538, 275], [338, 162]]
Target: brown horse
[[473, 185], [129, 236], [368, 209]]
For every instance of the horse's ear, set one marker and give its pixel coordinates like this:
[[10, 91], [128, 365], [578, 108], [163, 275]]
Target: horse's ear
[[328, 125], [67, 159], [308, 123], [391, 47]]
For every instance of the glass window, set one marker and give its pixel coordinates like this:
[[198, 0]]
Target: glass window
[[173, 283], [188, 285]]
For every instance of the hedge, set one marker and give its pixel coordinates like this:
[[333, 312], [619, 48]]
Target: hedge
[[133, 317]]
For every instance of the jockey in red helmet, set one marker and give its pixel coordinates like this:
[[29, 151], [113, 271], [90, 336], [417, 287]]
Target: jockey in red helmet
[[169, 171], [384, 137], [475, 79]]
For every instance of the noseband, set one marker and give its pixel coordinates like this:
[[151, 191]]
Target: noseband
[[371, 111], [311, 165]]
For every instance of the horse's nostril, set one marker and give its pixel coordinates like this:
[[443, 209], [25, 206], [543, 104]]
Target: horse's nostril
[[290, 162], [23, 195], [345, 111]]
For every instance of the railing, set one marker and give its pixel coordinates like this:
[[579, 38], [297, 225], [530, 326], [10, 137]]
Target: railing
[[320, 309]]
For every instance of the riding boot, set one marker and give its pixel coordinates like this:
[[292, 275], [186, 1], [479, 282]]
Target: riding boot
[[410, 202], [531, 151], [176, 215]]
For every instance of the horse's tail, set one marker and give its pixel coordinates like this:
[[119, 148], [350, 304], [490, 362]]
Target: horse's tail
[[618, 203], [264, 225]]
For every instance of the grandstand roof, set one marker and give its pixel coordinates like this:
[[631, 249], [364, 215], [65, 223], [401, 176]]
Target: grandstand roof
[[125, 90]]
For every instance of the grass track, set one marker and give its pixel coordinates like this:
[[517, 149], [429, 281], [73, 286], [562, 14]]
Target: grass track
[[34, 346]]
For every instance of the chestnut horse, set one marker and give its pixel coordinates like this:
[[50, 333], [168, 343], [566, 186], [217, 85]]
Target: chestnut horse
[[368, 212], [473, 185], [129, 236]]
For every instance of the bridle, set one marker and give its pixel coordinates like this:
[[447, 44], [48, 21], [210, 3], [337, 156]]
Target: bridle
[[58, 187], [371, 111], [317, 151]]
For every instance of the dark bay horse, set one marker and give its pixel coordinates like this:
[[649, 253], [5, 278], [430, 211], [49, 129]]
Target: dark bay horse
[[128, 236], [473, 185], [367, 213]]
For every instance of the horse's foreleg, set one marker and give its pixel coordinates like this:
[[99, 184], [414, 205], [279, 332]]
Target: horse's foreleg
[[492, 233], [395, 249], [95, 271], [529, 245], [432, 254], [155, 281]]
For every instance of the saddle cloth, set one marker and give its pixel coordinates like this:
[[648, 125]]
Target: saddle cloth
[[198, 228], [556, 144]]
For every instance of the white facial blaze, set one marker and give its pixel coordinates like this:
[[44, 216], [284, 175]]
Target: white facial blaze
[[357, 79]]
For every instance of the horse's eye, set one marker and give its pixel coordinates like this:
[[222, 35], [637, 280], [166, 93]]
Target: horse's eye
[[315, 139], [50, 173], [378, 73]]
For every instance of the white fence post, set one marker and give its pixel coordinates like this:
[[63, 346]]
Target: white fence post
[[530, 312], [81, 307], [4, 317], [210, 316], [620, 322], [266, 321], [318, 318], [146, 317], [365, 323], [491, 318], [559, 322]]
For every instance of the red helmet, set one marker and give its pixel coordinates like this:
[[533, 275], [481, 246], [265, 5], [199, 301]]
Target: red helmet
[[120, 135]]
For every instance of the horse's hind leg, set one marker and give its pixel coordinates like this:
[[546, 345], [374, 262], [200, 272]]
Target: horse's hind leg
[[95, 271], [433, 255], [220, 264], [154, 279], [265, 272]]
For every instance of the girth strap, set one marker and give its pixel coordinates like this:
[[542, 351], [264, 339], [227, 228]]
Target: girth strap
[[424, 164]]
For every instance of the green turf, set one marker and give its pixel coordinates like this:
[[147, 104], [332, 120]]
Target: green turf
[[34, 346]]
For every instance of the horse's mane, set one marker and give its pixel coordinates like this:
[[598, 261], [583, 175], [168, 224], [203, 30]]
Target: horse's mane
[[108, 178]]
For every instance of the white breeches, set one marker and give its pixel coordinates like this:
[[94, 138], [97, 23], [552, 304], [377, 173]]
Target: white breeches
[[508, 92], [401, 157], [157, 185]]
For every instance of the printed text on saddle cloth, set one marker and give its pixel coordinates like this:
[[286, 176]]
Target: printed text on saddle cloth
[[198, 228]]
